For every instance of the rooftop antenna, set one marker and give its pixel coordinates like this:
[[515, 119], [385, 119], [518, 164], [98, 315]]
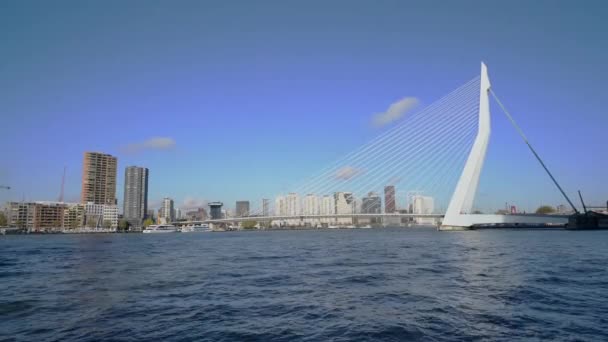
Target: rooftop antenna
[[62, 185]]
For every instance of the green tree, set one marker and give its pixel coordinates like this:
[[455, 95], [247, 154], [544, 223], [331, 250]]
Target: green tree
[[107, 224], [545, 209], [3, 220], [123, 224], [248, 224], [148, 222]]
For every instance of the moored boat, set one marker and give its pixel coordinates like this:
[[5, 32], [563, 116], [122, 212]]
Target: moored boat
[[161, 228]]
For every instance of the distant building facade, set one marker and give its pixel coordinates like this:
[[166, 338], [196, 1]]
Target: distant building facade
[[344, 204], [98, 178], [423, 205], [372, 204], [197, 215], [280, 208], [215, 209], [389, 199], [58, 216], [242, 208], [311, 205], [265, 207], [100, 215], [166, 213]]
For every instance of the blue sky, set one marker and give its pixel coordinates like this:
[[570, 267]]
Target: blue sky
[[259, 95]]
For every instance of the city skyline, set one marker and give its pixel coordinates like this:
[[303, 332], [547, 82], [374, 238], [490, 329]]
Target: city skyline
[[548, 81]]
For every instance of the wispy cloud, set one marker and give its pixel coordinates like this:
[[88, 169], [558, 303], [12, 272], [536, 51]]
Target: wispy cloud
[[347, 173], [155, 143], [395, 111]]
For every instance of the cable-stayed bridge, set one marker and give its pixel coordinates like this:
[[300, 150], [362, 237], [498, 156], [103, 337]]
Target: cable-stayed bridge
[[439, 151]]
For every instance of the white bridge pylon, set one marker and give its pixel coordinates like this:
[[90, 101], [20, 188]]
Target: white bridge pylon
[[459, 213]]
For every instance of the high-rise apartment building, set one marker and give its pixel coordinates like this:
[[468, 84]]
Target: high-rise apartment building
[[242, 208], [389, 199], [136, 195], [98, 178]]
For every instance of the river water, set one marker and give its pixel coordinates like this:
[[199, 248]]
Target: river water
[[327, 285]]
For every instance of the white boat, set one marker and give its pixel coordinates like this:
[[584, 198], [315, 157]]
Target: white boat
[[161, 228], [201, 228]]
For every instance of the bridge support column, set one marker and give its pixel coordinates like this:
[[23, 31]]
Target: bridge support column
[[464, 194]]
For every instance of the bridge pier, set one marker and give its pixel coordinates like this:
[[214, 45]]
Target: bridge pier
[[467, 221]]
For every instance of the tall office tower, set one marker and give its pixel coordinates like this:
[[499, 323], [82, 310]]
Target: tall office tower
[[389, 199], [98, 178], [215, 209], [265, 207], [136, 195], [166, 214], [242, 208], [311, 205], [280, 209], [293, 204]]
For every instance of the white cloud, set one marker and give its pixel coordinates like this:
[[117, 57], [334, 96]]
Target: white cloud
[[155, 143], [347, 173], [395, 111]]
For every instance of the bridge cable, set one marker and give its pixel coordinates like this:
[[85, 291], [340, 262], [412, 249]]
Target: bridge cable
[[521, 133]]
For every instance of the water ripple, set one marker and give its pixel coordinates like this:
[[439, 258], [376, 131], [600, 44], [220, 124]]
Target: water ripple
[[343, 285]]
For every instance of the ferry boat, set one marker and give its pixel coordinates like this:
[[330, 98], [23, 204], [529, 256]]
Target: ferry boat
[[161, 228], [201, 228]]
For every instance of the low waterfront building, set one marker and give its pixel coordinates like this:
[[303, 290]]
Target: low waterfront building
[[21, 215], [73, 216], [100, 215]]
